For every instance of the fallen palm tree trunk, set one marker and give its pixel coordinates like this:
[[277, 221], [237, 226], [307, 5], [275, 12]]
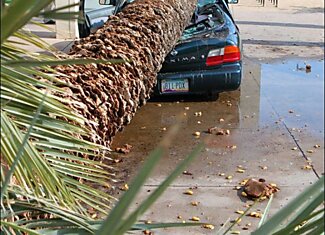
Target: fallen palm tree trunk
[[108, 95]]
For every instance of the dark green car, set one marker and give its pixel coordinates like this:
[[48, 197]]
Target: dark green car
[[207, 58]]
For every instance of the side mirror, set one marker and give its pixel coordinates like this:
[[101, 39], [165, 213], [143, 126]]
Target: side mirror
[[107, 2], [232, 1]]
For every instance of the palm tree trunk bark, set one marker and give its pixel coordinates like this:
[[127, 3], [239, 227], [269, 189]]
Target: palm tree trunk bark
[[108, 95]]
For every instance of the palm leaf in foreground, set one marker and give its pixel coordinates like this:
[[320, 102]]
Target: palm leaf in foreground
[[42, 141]]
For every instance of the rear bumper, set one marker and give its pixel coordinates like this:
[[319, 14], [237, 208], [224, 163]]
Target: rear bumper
[[225, 78]]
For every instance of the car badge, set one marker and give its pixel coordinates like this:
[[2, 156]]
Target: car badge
[[173, 52]]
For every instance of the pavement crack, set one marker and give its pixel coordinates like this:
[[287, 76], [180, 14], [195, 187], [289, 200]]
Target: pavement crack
[[292, 135], [299, 147]]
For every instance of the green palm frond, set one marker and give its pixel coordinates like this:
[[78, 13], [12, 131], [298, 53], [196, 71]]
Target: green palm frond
[[56, 158], [25, 9]]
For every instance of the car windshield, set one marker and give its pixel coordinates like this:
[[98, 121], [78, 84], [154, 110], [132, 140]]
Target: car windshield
[[201, 3], [206, 17]]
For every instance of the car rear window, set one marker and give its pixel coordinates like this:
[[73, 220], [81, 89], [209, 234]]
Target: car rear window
[[206, 17]]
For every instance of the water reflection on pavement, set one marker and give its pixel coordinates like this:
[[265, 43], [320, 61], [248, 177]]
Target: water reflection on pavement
[[296, 95], [277, 109]]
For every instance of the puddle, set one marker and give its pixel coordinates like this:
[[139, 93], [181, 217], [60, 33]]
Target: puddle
[[295, 95], [268, 92]]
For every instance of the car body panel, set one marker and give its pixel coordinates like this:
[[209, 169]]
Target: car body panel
[[210, 82]]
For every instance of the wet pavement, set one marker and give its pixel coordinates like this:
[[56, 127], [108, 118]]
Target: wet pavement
[[275, 120]]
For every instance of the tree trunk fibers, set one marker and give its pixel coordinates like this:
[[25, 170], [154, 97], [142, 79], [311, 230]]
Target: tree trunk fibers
[[108, 95]]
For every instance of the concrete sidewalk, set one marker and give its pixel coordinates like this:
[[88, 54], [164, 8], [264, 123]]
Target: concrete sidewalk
[[47, 33], [270, 142], [293, 29]]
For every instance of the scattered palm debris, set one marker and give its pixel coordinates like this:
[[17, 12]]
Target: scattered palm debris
[[195, 218], [125, 149], [189, 192], [218, 131], [259, 188], [125, 187], [208, 226], [187, 173]]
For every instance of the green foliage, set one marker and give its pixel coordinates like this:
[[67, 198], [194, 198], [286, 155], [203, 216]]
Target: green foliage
[[42, 154]]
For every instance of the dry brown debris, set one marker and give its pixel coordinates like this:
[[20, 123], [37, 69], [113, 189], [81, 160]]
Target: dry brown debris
[[195, 218], [189, 192], [125, 149], [259, 188], [218, 131], [187, 173], [208, 226]]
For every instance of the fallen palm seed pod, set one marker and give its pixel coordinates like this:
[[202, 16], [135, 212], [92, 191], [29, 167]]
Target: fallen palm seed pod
[[236, 221], [197, 133], [255, 214], [234, 232], [187, 173], [229, 177], [208, 226], [307, 167], [195, 218], [194, 203], [188, 192], [240, 171]]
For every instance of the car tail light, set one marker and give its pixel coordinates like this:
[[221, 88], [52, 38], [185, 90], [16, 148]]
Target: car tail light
[[223, 55]]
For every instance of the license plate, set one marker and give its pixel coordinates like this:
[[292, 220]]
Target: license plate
[[170, 86]]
